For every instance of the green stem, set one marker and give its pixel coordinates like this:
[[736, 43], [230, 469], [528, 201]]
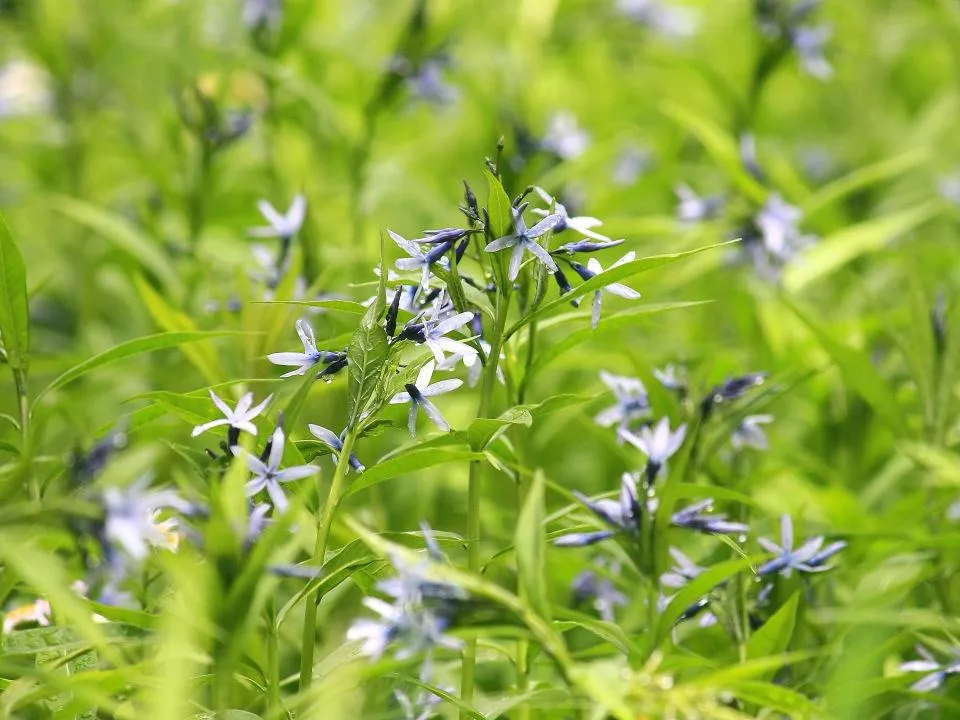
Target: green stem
[[474, 487], [319, 553], [273, 659]]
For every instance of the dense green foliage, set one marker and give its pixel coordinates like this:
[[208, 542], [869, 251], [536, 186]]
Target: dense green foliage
[[805, 298]]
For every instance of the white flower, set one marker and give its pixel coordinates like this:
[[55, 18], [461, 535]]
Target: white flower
[[131, 517], [659, 444], [632, 401], [417, 394], [564, 136], [24, 89], [282, 226], [670, 21], [435, 330], [305, 360], [525, 239], [594, 269], [418, 260], [268, 475], [750, 434], [580, 223], [693, 208], [333, 441], [238, 419], [777, 222]]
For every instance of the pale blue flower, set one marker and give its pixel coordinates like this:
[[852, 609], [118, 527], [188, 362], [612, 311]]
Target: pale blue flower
[[418, 394], [284, 225], [938, 671], [524, 239], [238, 419], [268, 475]]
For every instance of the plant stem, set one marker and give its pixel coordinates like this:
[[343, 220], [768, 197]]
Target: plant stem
[[319, 553], [474, 488], [273, 658]]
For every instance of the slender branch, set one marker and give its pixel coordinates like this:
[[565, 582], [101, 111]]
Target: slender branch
[[319, 553]]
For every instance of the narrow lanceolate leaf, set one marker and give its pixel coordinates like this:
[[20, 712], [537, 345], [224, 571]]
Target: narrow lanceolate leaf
[[483, 431], [858, 373], [366, 357], [131, 348], [499, 207], [14, 321], [841, 248], [411, 462], [124, 236], [774, 636], [616, 274], [530, 541]]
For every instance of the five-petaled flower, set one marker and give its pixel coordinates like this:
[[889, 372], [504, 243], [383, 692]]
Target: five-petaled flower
[[419, 259], [622, 515], [417, 395], [268, 475], [524, 238], [239, 419], [809, 557], [693, 518], [281, 225], [594, 269], [310, 356], [580, 223], [632, 401], [433, 333], [658, 444]]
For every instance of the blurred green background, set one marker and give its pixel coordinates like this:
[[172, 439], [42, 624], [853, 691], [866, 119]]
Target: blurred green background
[[132, 221]]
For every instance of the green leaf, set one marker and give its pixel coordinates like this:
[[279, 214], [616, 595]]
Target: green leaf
[[608, 326], [125, 236], [697, 588], [14, 310], [346, 306], [835, 251], [777, 697], [774, 636], [530, 541], [858, 372], [862, 177], [131, 348], [366, 357], [721, 146], [499, 207], [411, 462], [483, 431], [617, 274]]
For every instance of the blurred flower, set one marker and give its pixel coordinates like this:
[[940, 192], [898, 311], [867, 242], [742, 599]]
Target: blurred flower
[[777, 222], [282, 226], [622, 515], [667, 20], [736, 387], [418, 618], [263, 13], [658, 444], [335, 443], [37, 613], [24, 89], [564, 136], [630, 165], [423, 708], [600, 588], [750, 434], [672, 377], [948, 186], [310, 355], [692, 208], [809, 41], [807, 558], [525, 239], [677, 578], [268, 475], [580, 224], [692, 518], [594, 269], [748, 155], [938, 671], [238, 419], [632, 401], [429, 85], [132, 517], [87, 467], [417, 393]]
